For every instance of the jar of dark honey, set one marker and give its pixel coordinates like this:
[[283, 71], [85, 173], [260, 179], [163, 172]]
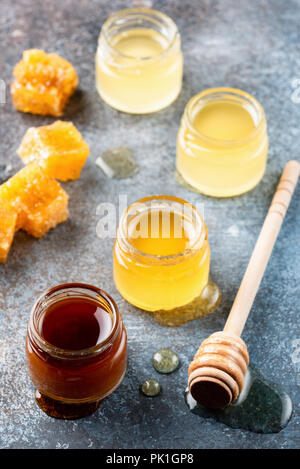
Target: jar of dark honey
[[76, 349]]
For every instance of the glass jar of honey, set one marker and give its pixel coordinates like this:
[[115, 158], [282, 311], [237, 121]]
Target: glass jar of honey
[[76, 349], [139, 61], [161, 253], [222, 142]]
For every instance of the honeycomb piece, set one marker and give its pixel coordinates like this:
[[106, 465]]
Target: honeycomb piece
[[58, 148], [8, 220], [10, 197], [40, 202], [42, 83]]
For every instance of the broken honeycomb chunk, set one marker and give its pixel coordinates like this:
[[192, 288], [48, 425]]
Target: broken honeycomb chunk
[[10, 197], [58, 148], [41, 203], [8, 220], [42, 83]]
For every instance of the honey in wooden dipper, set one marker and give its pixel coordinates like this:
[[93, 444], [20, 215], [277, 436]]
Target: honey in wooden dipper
[[217, 373]]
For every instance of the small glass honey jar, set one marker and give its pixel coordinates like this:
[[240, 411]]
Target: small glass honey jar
[[139, 61], [222, 142], [161, 253], [76, 348]]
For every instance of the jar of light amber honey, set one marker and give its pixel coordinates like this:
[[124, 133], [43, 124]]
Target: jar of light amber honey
[[222, 142], [161, 253], [76, 349], [139, 61]]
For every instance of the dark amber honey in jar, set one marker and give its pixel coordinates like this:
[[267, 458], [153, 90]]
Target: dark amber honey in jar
[[76, 349]]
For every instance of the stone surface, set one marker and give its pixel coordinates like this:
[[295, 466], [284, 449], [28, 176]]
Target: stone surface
[[250, 45]]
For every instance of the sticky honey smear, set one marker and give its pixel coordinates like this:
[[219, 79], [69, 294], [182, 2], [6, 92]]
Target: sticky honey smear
[[203, 305], [117, 163], [262, 407]]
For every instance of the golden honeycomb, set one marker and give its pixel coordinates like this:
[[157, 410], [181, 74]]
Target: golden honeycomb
[[40, 202], [42, 83], [8, 220], [58, 148]]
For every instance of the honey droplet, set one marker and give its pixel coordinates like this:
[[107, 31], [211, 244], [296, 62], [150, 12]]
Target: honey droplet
[[165, 361], [150, 387], [118, 163]]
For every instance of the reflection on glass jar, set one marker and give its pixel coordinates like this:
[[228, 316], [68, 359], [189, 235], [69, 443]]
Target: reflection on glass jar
[[222, 142], [76, 349], [161, 254], [139, 61]]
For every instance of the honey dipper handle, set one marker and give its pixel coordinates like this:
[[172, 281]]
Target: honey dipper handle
[[263, 248]]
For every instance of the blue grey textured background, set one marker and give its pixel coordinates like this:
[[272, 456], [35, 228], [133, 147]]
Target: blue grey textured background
[[250, 45]]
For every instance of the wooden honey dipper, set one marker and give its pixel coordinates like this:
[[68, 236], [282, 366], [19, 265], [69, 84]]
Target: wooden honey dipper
[[217, 373]]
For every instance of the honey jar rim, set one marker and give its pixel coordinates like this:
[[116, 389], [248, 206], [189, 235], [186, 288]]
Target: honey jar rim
[[65, 354], [161, 259], [215, 93], [126, 11]]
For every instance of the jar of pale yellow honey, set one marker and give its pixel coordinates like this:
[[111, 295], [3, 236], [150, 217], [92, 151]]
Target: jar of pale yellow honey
[[139, 61], [161, 254], [222, 142]]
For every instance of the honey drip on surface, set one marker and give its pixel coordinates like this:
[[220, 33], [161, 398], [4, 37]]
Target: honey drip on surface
[[262, 406], [203, 305], [118, 163]]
